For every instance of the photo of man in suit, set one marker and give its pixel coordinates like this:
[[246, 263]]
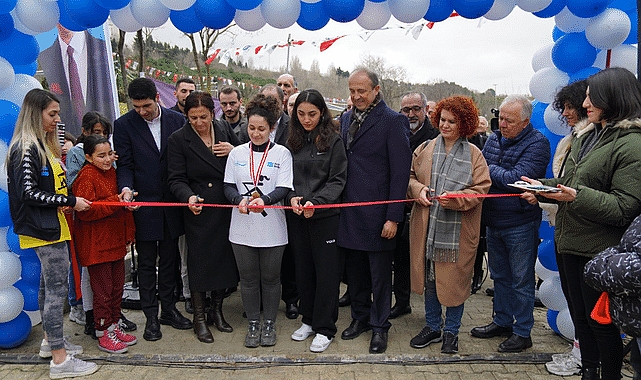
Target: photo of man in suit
[[79, 70]]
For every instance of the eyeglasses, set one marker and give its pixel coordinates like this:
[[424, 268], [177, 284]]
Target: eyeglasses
[[416, 109]]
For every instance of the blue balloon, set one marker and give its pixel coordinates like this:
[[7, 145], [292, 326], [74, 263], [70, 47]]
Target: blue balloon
[[343, 10], [551, 317], [66, 21], [624, 5], [15, 332], [112, 4], [538, 109], [312, 16], [547, 255], [472, 8], [551, 10], [30, 269], [214, 14], [6, 26], [86, 13], [573, 52], [557, 33], [587, 9], [29, 69], [13, 241], [186, 21], [19, 49], [8, 117], [439, 11], [5, 215], [7, 6], [546, 231], [244, 5], [583, 74], [30, 293], [377, 1], [634, 27]]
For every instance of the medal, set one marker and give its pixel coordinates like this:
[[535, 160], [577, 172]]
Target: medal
[[256, 176]]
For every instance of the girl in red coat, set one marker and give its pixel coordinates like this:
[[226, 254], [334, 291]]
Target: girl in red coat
[[101, 235]]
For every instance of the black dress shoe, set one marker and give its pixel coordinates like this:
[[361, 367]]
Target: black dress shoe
[[152, 329], [378, 344], [591, 374], [344, 300], [515, 343], [291, 311], [175, 320], [490, 331], [399, 310], [355, 329]]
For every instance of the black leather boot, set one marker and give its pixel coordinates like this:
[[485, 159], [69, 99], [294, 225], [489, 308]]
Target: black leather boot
[[215, 314], [590, 374], [200, 325], [89, 324]]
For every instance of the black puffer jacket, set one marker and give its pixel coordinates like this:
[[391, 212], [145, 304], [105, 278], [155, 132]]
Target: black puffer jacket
[[617, 270]]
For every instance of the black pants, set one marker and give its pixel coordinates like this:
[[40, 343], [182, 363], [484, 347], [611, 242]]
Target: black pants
[[601, 345], [402, 265], [289, 291], [167, 253], [313, 243], [370, 274]]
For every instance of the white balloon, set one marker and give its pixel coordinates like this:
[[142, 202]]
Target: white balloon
[[500, 10], [564, 324], [250, 21], [533, 5], [543, 58], [569, 23], [124, 20], [543, 272], [551, 294], [150, 13], [374, 15], [280, 14], [3, 237], [11, 303], [22, 84], [310, 1], [10, 269], [555, 122], [38, 15], [546, 82], [7, 75], [35, 317], [622, 56], [609, 29], [20, 26], [408, 11], [178, 5]]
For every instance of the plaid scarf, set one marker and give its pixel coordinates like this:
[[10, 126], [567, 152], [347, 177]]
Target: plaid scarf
[[450, 172], [358, 117]]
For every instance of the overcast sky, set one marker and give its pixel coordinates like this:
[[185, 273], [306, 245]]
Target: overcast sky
[[476, 54]]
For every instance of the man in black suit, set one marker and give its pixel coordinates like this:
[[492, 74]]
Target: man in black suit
[[378, 169], [90, 56], [140, 138]]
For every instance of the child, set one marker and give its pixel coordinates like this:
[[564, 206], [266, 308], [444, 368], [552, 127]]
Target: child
[[102, 234]]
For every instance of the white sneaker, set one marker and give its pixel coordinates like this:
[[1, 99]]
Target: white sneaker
[[77, 314], [320, 343], [302, 333], [564, 365], [72, 349], [71, 367]]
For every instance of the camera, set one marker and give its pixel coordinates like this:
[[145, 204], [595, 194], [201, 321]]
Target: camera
[[494, 122]]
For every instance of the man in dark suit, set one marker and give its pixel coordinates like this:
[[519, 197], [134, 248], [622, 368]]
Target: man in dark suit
[[378, 155], [90, 56], [140, 138]]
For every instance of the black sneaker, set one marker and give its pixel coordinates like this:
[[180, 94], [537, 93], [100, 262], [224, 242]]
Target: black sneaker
[[126, 325], [450, 343], [426, 337]]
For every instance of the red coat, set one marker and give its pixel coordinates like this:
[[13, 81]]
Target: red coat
[[101, 233]]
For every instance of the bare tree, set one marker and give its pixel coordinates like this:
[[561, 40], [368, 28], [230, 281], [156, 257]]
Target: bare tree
[[123, 70], [207, 38], [392, 78]]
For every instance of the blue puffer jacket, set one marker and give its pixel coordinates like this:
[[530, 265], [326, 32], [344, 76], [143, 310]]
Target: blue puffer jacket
[[528, 154]]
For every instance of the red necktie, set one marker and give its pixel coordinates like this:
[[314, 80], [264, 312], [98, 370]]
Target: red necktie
[[74, 83]]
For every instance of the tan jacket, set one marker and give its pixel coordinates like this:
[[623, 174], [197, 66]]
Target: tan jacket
[[453, 280]]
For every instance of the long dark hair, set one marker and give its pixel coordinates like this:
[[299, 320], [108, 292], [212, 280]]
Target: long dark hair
[[617, 92], [326, 129]]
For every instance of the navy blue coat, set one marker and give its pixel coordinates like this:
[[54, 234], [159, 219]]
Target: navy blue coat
[[141, 166], [378, 168]]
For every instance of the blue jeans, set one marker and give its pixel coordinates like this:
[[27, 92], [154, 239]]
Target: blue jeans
[[433, 311], [511, 258]]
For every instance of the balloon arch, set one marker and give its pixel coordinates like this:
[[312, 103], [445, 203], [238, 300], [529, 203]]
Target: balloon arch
[[589, 35]]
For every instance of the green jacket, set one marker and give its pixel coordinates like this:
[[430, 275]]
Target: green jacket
[[608, 184]]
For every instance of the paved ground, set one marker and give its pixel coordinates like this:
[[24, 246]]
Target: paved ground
[[179, 355]]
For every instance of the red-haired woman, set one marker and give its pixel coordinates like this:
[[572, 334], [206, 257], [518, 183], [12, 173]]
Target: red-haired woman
[[444, 233]]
